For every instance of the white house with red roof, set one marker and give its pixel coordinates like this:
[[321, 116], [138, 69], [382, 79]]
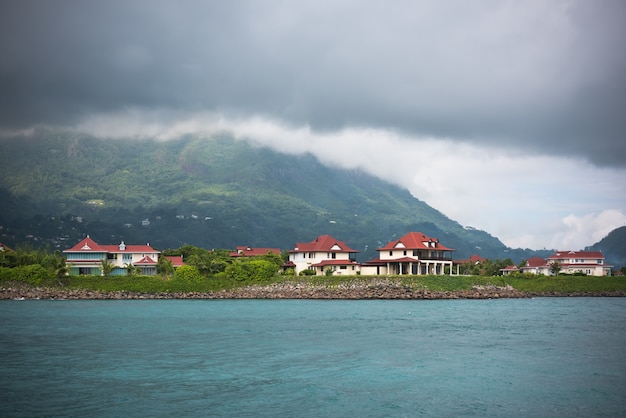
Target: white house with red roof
[[324, 252], [536, 265], [86, 258], [589, 262], [414, 253]]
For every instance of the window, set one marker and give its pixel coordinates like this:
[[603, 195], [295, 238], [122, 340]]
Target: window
[[404, 252], [390, 252], [333, 256], [127, 258], [415, 253], [343, 267]]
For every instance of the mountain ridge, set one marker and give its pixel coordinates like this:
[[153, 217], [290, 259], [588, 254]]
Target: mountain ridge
[[214, 192]]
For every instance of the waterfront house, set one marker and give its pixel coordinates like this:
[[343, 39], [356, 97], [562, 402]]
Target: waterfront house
[[323, 253], [536, 265], [414, 253], [87, 257], [590, 263]]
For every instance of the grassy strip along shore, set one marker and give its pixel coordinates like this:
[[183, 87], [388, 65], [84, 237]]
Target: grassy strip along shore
[[401, 287]]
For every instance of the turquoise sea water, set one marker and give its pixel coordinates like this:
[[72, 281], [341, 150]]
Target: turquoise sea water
[[528, 357]]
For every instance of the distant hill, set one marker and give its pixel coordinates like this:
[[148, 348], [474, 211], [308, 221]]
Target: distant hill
[[613, 246], [211, 192]]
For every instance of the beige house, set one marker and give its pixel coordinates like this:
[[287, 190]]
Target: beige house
[[414, 253], [536, 265], [590, 263], [321, 254]]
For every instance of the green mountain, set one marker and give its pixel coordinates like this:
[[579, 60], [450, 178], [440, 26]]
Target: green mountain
[[212, 192], [613, 246]]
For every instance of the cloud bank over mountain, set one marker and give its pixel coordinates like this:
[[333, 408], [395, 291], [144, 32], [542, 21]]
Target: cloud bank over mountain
[[507, 116]]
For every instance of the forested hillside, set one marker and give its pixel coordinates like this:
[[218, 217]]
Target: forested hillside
[[210, 192], [613, 246]]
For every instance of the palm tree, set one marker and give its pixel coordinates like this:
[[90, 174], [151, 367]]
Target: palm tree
[[130, 269], [107, 267]]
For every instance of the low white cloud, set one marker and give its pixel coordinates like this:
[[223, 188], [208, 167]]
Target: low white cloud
[[593, 225], [527, 200]]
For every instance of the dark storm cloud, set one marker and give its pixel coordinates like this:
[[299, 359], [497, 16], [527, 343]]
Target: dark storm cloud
[[537, 75]]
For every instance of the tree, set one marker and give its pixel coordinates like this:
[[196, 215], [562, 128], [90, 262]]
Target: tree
[[130, 269], [106, 266], [555, 268], [164, 266], [187, 274]]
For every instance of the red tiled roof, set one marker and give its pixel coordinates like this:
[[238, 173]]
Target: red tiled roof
[[536, 262], [323, 243], [415, 241], [510, 268], [576, 254], [244, 251], [176, 260], [86, 245], [146, 261], [89, 245]]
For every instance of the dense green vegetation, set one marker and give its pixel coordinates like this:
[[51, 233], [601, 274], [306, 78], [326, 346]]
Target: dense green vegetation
[[211, 192]]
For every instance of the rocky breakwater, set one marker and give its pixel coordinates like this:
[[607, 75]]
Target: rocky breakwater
[[376, 289], [372, 289]]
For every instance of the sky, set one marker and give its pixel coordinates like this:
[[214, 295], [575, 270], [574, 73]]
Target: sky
[[506, 116]]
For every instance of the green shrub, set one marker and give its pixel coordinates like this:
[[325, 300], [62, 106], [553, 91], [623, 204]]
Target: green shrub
[[255, 270], [33, 274], [188, 274]]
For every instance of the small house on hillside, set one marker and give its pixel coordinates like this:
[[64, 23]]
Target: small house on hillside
[[414, 253], [87, 257], [324, 252]]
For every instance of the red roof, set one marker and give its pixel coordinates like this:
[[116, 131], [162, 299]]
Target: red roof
[[575, 254], [415, 241], [323, 243], [89, 245], [536, 262], [245, 251], [146, 261], [176, 260], [510, 268], [86, 245]]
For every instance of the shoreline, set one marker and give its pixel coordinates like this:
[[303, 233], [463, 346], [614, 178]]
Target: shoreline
[[381, 290]]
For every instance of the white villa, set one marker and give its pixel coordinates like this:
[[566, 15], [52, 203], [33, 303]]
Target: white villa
[[414, 253], [86, 258], [324, 252], [589, 262]]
